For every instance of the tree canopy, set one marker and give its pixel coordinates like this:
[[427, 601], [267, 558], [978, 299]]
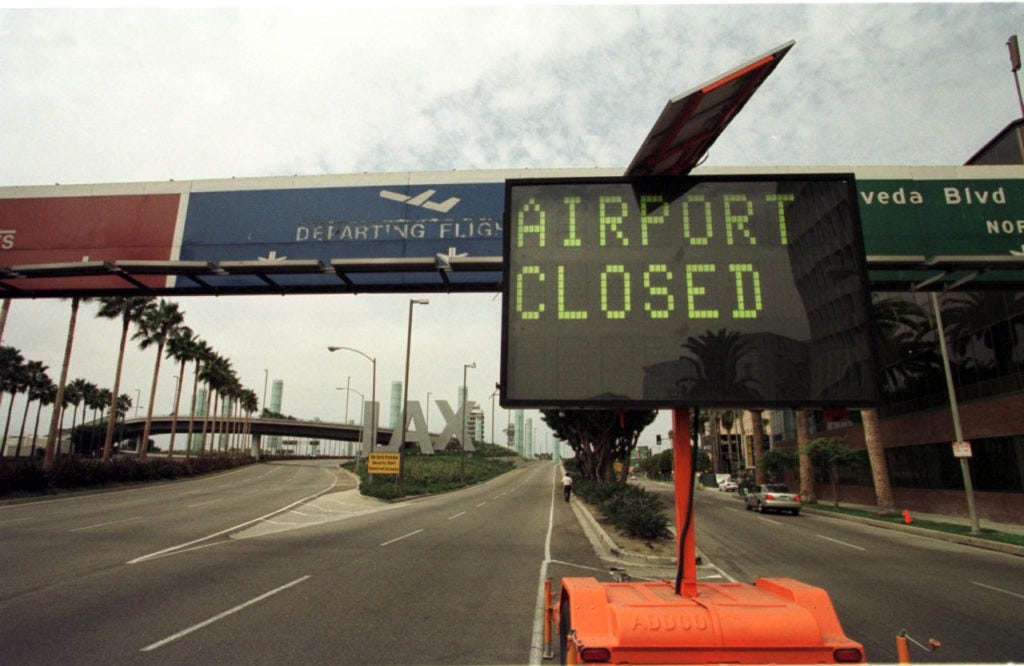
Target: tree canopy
[[600, 437]]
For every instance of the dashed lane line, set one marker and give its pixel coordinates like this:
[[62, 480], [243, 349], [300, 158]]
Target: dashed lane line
[[221, 616]]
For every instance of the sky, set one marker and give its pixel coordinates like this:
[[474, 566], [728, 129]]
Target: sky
[[99, 95]]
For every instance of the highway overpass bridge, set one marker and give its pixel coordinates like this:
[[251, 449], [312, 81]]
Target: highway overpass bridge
[[132, 428]]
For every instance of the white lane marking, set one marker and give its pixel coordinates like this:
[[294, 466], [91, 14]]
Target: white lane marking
[[769, 520], [537, 642], [841, 543], [221, 616], [461, 513], [404, 536], [214, 501], [112, 522], [481, 504], [185, 546], [997, 589]]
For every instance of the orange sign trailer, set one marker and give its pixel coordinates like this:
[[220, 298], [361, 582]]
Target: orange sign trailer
[[773, 620]]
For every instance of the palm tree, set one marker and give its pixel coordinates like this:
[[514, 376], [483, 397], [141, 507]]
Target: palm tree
[[224, 381], [214, 373], [35, 377], [157, 324], [15, 381], [720, 372], [74, 394], [4, 309], [51, 438], [10, 359], [905, 357], [250, 403], [803, 434], [757, 418], [45, 395], [128, 308], [70, 396], [184, 347], [202, 354], [124, 403]]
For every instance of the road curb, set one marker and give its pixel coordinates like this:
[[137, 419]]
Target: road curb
[[986, 544]]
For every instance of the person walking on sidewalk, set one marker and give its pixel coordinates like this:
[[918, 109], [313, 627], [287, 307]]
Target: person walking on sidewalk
[[566, 485]]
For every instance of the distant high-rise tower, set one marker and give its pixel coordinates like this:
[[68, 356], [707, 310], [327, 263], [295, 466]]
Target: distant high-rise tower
[[528, 440], [519, 432], [276, 396], [476, 425], [198, 411], [396, 403]]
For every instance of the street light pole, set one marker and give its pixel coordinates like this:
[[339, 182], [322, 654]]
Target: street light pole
[[405, 396], [373, 401], [965, 469], [465, 409]]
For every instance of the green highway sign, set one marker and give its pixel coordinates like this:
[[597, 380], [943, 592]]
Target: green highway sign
[[942, 217]]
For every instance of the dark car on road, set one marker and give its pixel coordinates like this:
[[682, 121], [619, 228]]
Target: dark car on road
[[773, 497]]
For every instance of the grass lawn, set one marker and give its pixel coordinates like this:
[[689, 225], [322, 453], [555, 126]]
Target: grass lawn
[[951, 528]]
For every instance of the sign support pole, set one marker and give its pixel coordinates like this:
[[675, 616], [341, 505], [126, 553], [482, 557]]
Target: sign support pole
[[682, 475], [965, 468]]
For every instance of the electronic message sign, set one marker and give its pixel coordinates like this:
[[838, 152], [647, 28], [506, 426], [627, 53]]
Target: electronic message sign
[[686, 291]]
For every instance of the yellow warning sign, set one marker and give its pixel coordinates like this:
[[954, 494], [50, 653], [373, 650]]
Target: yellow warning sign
[[383, 463]]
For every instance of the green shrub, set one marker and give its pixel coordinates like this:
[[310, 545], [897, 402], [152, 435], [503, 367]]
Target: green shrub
[[630, 508], [434, 474], [27, 476]]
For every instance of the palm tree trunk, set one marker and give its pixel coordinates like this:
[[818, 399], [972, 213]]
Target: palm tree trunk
[[108, 439], [757, 432], [206, 419], [21, 433], [177, 401], [192, 412], [51, 439], [879, 468], [802, 437], [144, 444], [10, 408], [35, 430]]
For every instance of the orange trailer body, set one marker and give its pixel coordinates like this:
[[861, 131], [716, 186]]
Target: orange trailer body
[[775, 620]]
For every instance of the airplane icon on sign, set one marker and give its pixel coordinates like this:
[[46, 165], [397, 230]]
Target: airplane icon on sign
[[422, 200]]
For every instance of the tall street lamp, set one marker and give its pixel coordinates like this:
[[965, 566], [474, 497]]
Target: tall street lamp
[[405, 396], [373, 399], [465, 410]]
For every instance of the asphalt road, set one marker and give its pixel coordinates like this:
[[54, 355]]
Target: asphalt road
[[284, 563], [880, 580]]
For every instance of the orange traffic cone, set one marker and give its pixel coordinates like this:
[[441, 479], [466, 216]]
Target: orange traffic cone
[[906, 517]]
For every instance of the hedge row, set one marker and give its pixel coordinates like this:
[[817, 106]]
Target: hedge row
[[28, 475]]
